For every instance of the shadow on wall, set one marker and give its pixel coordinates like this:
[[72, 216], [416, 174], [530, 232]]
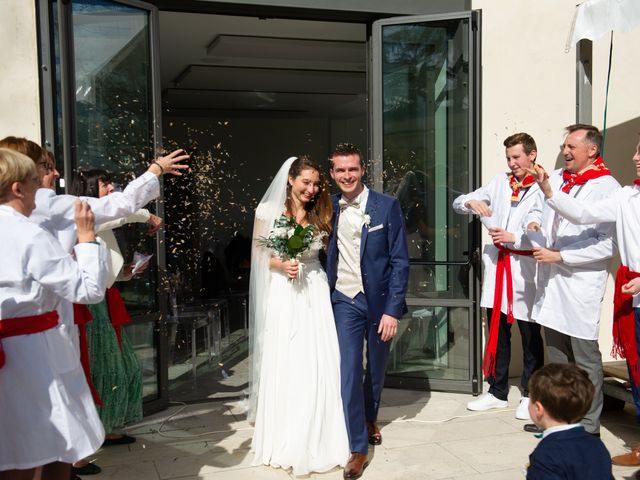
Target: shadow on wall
[[620, 146]]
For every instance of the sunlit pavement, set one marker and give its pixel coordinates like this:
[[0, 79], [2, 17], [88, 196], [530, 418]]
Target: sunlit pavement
[[425, 436]]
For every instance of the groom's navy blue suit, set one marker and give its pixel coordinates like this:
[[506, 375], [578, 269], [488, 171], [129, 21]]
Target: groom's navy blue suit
[[384, 268]]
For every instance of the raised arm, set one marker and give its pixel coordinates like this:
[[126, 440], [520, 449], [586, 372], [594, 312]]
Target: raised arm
[[574, 210], [56, 212]]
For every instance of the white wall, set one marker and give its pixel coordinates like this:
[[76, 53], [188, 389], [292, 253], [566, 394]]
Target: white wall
[[19, 102], [529, 84]]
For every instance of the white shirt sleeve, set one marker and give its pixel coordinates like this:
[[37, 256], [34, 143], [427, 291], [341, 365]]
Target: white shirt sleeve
[[57, 212], [82, 280]]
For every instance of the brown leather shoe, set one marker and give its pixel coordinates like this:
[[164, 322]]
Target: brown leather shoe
[[355, 466], [375, 437], [631, 459]]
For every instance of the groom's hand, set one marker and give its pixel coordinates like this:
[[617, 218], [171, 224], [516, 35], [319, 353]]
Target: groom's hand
[[388, 327]]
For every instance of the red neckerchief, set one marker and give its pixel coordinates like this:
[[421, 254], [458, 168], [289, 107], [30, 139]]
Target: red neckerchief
[[503, 269], [624, 324], [596, 170], [517, 186], [637, 182]]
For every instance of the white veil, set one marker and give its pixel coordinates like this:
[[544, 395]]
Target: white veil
[[269, 209]]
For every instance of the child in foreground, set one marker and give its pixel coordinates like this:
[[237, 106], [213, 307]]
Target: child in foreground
[[560, 395]]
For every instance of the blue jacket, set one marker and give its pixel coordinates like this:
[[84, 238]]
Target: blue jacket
[[570, 455], [384, 260]]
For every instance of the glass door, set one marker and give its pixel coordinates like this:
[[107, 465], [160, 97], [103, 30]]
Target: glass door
[[105, 114], [425, 153]]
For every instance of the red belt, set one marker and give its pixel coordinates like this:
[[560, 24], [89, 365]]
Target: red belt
[[624, 324], [502, 268], [117, 312], [11, 327], [82, 316]]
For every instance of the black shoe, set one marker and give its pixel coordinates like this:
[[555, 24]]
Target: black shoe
[[532, 428], [88, 469], [123, 440]]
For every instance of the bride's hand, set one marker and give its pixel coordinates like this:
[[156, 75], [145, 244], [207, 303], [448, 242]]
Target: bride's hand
[[290, 268]]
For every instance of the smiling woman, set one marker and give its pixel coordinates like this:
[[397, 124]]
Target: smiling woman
[[36, 276]]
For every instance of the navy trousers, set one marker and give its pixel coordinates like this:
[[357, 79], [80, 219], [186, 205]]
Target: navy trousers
[[532, 353], [634, 389], [360, 396]]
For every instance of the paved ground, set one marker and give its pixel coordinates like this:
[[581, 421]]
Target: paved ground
[[425, 436]]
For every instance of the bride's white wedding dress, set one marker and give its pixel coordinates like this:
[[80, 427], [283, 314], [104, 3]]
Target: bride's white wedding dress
[[299, 417]]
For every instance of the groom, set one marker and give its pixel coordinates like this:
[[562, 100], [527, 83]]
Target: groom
[[368, 268]]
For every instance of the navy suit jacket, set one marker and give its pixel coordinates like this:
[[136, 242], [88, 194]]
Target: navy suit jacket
[[384, 260], [570, 454]]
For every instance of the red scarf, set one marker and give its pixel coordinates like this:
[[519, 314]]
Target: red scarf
[[82, 316], [503, 268], [596, 170], [11, 327], [624, 324], [117, 312], [637, 182], [517, 185]]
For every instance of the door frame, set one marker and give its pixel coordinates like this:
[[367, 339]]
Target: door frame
[[474, 384], [48, 97], [334, 10]]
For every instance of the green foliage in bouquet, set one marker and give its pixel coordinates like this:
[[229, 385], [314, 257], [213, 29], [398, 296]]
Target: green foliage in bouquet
[[288, 239]]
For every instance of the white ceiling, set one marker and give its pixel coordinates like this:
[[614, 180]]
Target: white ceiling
[[214, 63]]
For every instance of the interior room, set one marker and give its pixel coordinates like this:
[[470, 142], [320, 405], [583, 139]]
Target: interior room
[[242, 94]]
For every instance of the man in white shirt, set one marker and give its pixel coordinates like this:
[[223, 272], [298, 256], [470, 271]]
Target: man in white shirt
[[506, 200], [624, 209], [572, 272]]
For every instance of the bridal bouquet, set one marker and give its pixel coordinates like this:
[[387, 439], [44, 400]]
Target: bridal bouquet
[[288, 239]]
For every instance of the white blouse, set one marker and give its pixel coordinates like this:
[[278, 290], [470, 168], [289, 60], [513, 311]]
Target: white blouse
[[46, 404]]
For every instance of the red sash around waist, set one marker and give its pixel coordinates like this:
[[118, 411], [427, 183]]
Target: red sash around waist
[[624, 324], [502, 268], [11, 327], [117, 312], [82, 316]]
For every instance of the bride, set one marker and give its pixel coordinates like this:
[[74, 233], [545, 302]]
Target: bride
[[295, 376]]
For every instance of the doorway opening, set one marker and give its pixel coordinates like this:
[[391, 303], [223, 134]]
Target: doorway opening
[[241, 94]]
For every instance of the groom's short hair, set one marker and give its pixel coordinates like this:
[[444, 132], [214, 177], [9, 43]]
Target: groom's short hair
[[345, 149]]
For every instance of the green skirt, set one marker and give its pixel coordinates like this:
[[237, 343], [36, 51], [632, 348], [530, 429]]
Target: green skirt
[[117, 375]]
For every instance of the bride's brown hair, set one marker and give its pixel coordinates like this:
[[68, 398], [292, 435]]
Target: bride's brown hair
[[319, 209]]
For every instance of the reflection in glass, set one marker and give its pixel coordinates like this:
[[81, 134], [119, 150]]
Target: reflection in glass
[[143, 340], [425, 146], [432, 342], [426, 138], [423, 281], [114, 114]]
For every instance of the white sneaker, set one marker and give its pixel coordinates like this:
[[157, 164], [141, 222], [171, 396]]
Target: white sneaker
[[486, 402], [522, 412]]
